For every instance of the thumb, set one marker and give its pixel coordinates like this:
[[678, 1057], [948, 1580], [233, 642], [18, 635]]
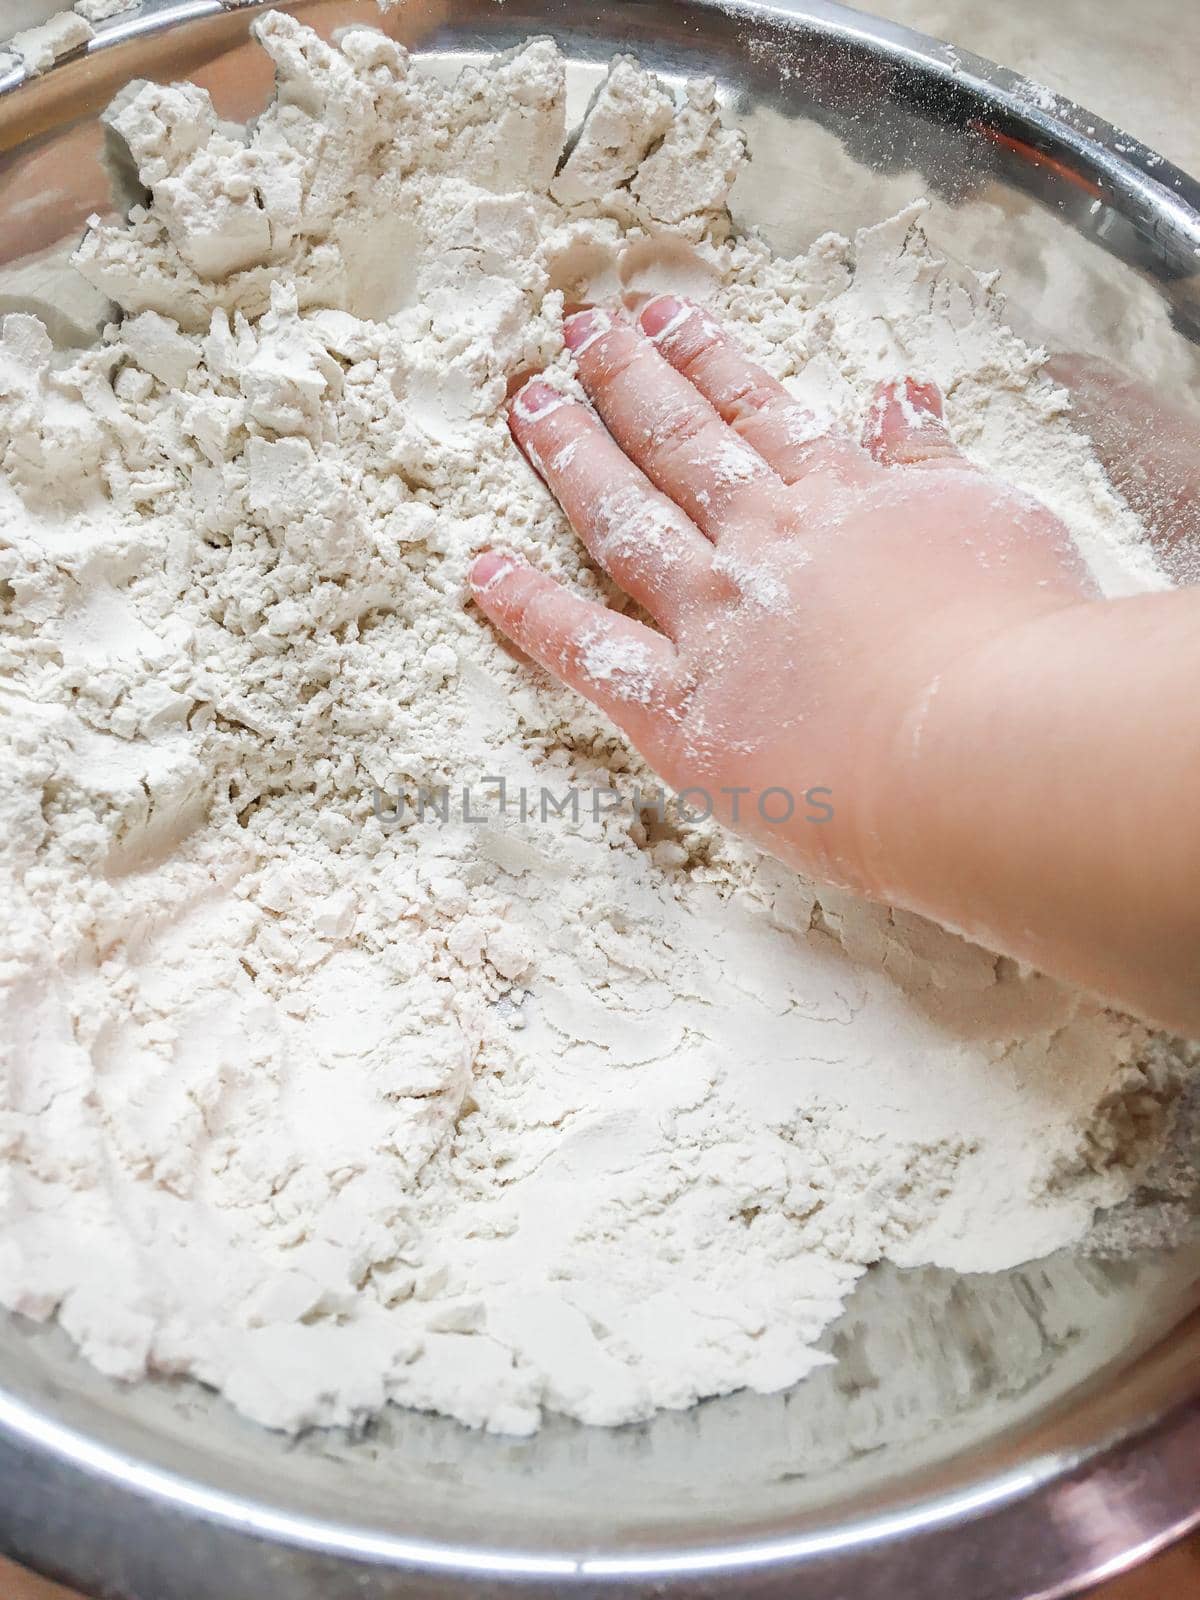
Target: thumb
[[906, 426]]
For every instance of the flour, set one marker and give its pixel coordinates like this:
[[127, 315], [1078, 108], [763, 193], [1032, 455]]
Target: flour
[[325, 1100], [39, 48], [102, 10]]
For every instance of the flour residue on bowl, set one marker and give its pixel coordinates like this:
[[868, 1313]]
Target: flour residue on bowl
[[317, 1086]]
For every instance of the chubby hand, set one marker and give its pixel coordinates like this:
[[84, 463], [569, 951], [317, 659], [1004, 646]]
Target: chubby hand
[[810, 594]]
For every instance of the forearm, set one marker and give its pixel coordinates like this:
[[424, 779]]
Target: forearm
[[1051, 804]]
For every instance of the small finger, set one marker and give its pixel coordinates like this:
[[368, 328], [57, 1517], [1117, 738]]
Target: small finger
[[790, 438], [906, 427], [667, 427], [619, 664], [1147, 445], [640, 537]]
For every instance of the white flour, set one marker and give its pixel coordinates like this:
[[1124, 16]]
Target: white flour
[[597, 1115], [39, 48]]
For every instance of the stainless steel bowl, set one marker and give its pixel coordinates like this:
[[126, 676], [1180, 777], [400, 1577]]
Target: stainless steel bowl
[[987, 1437]]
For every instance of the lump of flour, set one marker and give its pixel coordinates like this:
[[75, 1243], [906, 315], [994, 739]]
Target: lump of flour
[[39, 48], [328, 1101]]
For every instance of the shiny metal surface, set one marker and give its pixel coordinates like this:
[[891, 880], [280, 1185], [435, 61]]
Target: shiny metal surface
[[980, 1438]]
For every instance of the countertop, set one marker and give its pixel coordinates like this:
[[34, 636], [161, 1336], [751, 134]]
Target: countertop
[[1175, 1575]]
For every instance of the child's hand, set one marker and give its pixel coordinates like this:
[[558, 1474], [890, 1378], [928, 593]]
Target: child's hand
[[813, 594]]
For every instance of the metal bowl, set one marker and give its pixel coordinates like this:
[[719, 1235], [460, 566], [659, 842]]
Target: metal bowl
[[1022, 1434]]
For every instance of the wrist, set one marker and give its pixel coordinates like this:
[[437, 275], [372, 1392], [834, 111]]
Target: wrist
[[948, 769]]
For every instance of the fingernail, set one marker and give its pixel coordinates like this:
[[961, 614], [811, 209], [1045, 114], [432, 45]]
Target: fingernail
[[663, 316], [583, 328], [487, 568], [925, 397], [535, 398]]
